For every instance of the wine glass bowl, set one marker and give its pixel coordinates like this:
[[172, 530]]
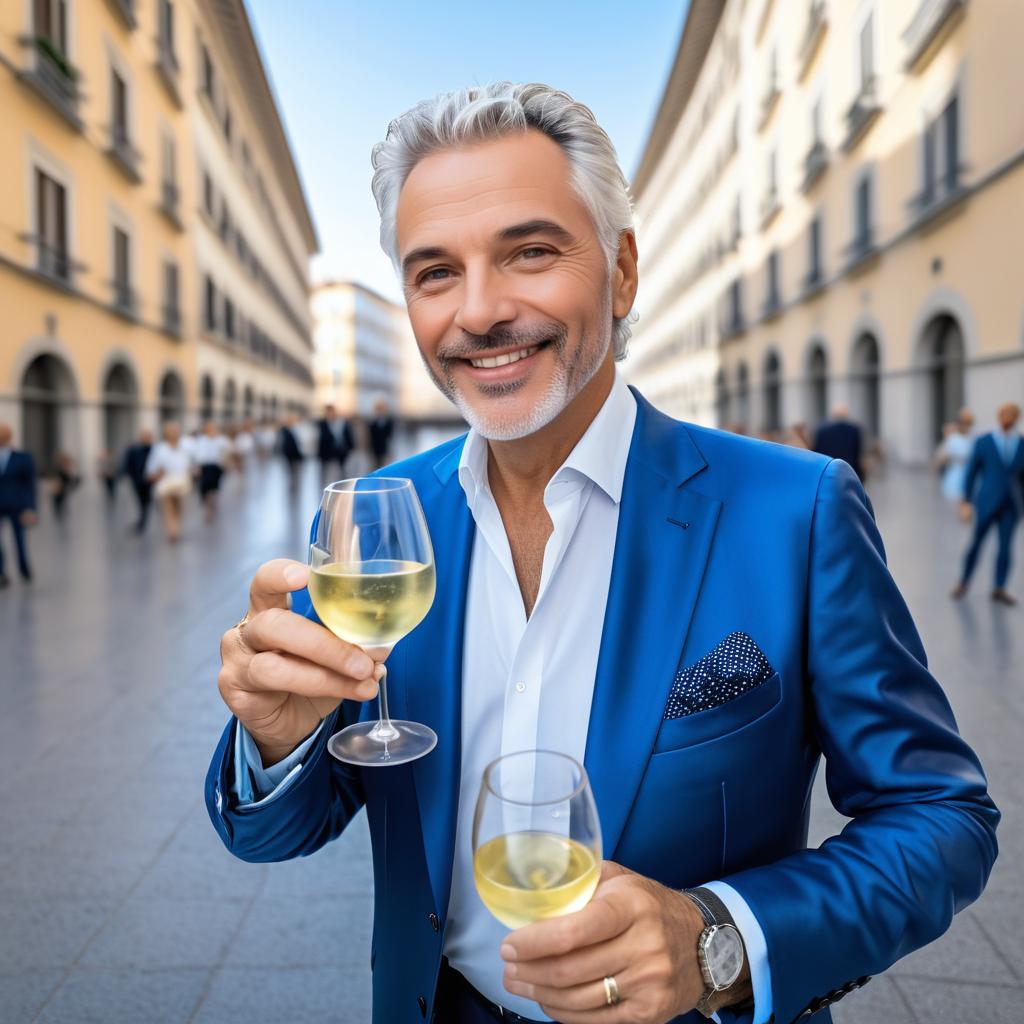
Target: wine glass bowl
[[536, 837], [371, 583]]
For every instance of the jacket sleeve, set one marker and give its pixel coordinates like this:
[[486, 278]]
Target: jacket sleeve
[[971, 471], [921, 842]]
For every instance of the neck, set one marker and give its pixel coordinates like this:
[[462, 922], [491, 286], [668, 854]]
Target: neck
[[522, 468]]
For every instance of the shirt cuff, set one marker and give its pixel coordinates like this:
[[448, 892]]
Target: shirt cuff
[[255, 785], [755, 945]]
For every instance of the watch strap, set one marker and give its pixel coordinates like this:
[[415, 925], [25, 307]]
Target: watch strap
[[711, 908]]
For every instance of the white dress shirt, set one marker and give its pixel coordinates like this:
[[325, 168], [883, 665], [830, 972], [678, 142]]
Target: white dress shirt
[[528, 683], [210, 451]]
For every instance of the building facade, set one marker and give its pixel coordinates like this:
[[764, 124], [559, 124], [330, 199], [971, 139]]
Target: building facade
[[102, 231], [829, 207]]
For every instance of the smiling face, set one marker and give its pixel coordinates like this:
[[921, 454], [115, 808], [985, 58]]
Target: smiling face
[[508, 289]]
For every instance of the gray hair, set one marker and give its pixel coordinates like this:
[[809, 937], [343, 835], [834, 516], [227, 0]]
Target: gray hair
[[476, 114]]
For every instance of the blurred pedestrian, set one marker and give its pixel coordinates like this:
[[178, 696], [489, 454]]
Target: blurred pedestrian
[[334, 441], [993, 493], [169, 469], [382, 427], [266, 438], [841, 438], [244, 445], [65, 480], [17, 499], [134, 467], [952, 455], [106, 470], [288, 445], [210, 451]]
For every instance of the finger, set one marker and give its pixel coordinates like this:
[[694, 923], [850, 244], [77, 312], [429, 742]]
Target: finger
[[279, 630], [599, 921], [281, 673], [568, 981], [274, 581]]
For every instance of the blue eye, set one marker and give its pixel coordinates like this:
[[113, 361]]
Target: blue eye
[[429, 275]]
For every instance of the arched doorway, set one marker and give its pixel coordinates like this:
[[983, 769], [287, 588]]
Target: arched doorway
[[721, 400], [743, 396], [864, 381], [229, 401], [172, 398], [120, 408], [206, 398], [941, 355], [772, 393], [817, 385], [48, 409]]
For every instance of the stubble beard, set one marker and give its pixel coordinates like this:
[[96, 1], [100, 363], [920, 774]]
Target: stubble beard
[[571, 376]]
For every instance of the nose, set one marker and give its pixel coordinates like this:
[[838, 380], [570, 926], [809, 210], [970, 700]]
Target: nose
[[485, 302]]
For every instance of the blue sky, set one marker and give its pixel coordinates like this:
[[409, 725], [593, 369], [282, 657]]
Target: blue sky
[[342, 69]]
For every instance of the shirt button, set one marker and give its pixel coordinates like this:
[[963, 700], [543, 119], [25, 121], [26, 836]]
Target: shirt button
[[434, 922], [520, 687]]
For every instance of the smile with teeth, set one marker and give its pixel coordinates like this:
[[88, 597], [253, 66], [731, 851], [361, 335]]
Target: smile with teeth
[[489, 362]]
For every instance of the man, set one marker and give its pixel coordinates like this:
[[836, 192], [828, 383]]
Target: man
[[595, 596], [334, 441], [382, 426], [17, 499], [134, 467], [840, 438], [993, 493], [288, 444]]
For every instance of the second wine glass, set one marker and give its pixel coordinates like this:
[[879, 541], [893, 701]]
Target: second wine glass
[[371, 582]]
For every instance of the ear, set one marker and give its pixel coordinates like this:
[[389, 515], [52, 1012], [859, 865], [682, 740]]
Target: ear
[[624, 277]]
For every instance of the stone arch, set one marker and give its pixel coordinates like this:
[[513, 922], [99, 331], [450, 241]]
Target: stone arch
[[816, 369], [771, 383], [119, 390], [48, 392]]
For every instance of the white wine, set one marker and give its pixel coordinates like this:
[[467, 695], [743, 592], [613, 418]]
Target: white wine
[[526, 876], [373, 603]]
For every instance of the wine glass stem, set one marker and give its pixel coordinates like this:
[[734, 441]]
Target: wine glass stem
[[384, 731]]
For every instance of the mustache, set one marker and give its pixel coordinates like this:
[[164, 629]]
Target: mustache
[[471, 346]]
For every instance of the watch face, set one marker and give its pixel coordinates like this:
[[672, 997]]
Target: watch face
[[723, 952]]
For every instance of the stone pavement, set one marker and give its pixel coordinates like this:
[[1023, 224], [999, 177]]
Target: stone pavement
[[118, 902]]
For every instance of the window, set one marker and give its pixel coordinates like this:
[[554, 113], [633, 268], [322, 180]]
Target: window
[[206, 65], [772, 299], [773, 174], [814, 270], [866, 53], [941, 154], [51, 226], [229, 318], [122, 269], [209, 304], [166, 16], [51, 22], [168, 159], [816, 122], [118, 109], [208, 196], [227, 123], [172, 313], [862, 214]]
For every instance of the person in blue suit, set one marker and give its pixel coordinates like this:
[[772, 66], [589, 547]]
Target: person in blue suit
[[696, 617], [17, 499], [841, 438], [994, 496]]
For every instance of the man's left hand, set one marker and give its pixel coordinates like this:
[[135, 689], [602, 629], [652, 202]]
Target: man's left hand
[[28, 518], [635, 930]]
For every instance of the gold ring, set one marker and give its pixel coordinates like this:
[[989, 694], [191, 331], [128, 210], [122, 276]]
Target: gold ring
[[611, 992]]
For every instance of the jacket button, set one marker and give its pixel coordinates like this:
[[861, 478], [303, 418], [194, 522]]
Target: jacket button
[[435, 923], [422, 1005]]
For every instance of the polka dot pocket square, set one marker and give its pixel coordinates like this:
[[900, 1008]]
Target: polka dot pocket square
[[736, 666]]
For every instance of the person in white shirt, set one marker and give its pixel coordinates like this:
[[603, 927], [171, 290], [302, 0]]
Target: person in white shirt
[[169, 468], [951, 458], [210, 450], [244, 445]]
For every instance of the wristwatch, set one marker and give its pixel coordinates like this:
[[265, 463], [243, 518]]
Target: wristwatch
[[720, 950]]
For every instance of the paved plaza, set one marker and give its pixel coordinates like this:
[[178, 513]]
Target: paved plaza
[[118, 903]]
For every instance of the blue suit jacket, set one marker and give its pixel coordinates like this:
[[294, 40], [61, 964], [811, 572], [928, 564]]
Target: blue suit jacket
[[716, 534], [18, 483], [841, 439], [989, 480]]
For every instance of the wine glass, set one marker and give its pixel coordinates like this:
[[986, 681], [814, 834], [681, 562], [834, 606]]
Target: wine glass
[[536, 837], [371, 582]]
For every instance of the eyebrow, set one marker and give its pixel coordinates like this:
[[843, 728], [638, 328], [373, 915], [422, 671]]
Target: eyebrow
[[538, 226]]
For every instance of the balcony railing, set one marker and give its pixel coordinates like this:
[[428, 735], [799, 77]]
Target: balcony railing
[[768, 101], [124, 154], [814, 164], [772, 304], [817, 22], [862, 113], [813, 282], [124, 301], [125, 10], [929, 21], [172, 320], [53, 261], [54, 77], [770, 206], [861, 249], [169, 197], [937, 197]]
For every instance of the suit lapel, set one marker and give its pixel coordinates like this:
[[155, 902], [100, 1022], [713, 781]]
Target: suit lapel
[[432, 680], [662, 544]]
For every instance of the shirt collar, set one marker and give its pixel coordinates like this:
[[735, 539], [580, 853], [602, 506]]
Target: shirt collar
[[600, 454]]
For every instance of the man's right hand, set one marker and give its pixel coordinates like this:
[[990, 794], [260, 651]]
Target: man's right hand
[[966, 511], [282, 673]]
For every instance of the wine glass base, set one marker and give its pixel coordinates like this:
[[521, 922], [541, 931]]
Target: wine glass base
[[356, 744]]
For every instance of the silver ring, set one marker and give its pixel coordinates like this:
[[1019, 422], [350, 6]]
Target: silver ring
[[611, 992]]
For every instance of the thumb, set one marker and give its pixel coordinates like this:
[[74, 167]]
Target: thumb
[[273, 581]]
